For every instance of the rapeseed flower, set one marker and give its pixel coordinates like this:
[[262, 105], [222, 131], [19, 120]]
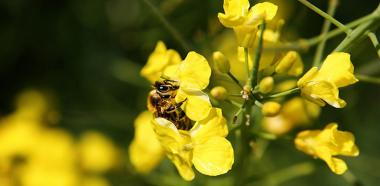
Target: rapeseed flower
[[145, 151], [158, 60], [244, 20], [193, 75], [294, 112], [203, 146], [320, 86], [326, 144]]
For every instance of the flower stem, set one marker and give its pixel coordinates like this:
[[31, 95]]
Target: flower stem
[[368, 79], [235, 79], [285, 93], [326, 16], [325, 28], [246, 61], [360, 32], [280, 176], [256, 62], [305, 44], [176, 35], [375, 42]]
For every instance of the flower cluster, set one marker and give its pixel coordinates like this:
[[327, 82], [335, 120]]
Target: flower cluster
[[270, 78], [205, 145], [34, 153]]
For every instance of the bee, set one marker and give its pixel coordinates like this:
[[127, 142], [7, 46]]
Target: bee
[[161, 101]]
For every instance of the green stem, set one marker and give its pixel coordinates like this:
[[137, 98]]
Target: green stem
[[352, 179], [235, 79], [246, 61], [305, 44], [176, 35], [360, 32], [368, 79], [325, 28], [252, 81], [326, 16], [286, 174], [285, 93], [375, 42]]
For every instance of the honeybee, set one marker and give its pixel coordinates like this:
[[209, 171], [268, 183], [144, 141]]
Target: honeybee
[[161, 101]]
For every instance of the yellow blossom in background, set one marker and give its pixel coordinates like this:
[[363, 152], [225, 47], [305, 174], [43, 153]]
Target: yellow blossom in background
[[55, 150], [33, 175], [270, 108], [94, 181], [326, 144], [290, 64], [322, 85], [204, 146], [33, 153], [158, 60], [244, 20], [97, 153], [294, 112], [193, 75], [145, 151]]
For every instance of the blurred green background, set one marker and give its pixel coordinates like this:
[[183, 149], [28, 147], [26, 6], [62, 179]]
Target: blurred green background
[[88, 55]]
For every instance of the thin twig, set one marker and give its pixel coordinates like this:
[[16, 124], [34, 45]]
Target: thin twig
[[325, 28], [173, 31], [326, 16]]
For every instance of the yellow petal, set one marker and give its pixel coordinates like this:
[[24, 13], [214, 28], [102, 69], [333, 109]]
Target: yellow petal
[[235, 12], [194, 72], [323, 90], [245, 35], [327, 143], [158, 60], [214, 125], [197, 105], [142, 156], [171, 72], [307, 77], [261, 11], [213, 157], [338, 69], [177, 145], [291, 64], [343, 141]]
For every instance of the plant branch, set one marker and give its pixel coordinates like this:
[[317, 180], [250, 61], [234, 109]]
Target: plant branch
[[325, 28], [176, 35], [326, 16]]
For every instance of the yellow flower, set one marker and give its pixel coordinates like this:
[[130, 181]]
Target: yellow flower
[[270, 108], [320, 86], [158, 60], [94, 181], [193, 75], [243, 20], [291, 64], [327, 143], [145, 151], [97, 153], [204, 145], [294, 112]]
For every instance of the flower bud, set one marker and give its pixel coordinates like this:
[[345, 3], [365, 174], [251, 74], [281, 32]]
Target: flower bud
[[266, 85], [270, 108], [219, 93], [221, 62], [291, 64]]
